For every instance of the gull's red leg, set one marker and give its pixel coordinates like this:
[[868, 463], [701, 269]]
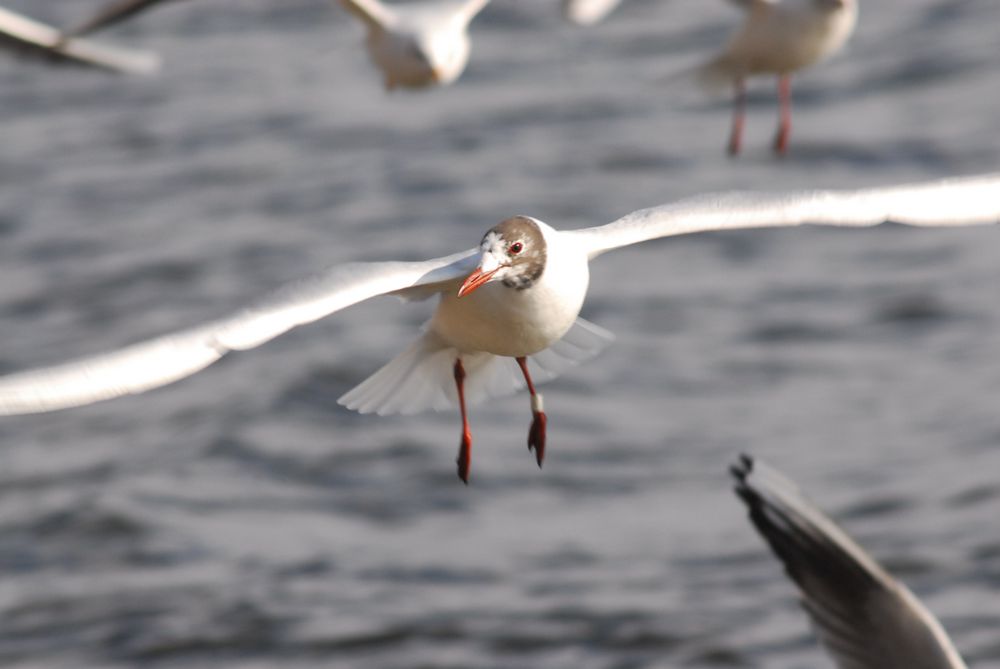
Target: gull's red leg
[[536, 435], [465, 448], [785, 114], [739, 112]]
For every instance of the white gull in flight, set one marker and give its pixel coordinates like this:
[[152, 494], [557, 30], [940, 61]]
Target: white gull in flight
[[516, 296], [415, 45], [419, 44]]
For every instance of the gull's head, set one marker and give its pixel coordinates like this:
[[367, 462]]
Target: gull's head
[[512, 252]]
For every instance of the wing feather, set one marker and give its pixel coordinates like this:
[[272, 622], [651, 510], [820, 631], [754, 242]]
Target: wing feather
[[960, 201], [29, 33], [864, 617], [166, 359], [112, 13], [371, 12], [472, 8]]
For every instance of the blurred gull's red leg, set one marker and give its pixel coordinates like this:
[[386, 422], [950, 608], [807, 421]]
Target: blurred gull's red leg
[[536, 435], [785, 114], [465, 448], [739, 111]]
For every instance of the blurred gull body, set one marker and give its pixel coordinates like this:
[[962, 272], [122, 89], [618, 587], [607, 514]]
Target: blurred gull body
[[517, 295], [588, 12], [778, 37], [865, 618], [420, 44]]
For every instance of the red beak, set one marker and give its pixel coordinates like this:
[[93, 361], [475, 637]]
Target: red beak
[[475, 280]]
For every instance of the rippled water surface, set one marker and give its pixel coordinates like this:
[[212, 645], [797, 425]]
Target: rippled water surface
[[242, 518]]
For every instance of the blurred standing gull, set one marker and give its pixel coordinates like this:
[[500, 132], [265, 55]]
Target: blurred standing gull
[[517, 295], [778, 37], [865, 618], [420, 44]]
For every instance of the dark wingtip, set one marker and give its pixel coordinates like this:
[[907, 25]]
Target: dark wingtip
[[740, 471], [742, 468]]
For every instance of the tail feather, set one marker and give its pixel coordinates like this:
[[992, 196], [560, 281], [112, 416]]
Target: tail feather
[[421, 377], [583, 341], [395, 388], [714, 77], [717, 75]]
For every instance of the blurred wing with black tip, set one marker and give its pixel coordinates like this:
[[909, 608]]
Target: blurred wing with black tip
[[865, 618]]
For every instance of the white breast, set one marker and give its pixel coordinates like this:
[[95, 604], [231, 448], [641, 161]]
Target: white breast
[[510, 322], [790, 35]]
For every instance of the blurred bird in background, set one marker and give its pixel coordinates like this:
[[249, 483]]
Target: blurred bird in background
[[777, 37], [420, 44], [865, 618], [588, 12], [416, 45]]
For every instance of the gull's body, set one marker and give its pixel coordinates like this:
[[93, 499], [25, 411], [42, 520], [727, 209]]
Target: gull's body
[[419, 44], [587, 12], [865, 618], [517, 295], [779, 37], [22, 33]]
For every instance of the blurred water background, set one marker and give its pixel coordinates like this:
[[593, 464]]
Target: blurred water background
[[242, 519]]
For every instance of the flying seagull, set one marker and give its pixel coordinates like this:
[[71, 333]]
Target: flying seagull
[[416, 45], [419, 44], [515, 296], [865, 618], [21, 33], [778, 37]]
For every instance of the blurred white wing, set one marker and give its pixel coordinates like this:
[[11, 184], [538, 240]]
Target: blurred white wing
[[22, 31], [371, 12], [587, 12], [165, 359], [865, 617], [112, 13], [471, 8], [968, 200]]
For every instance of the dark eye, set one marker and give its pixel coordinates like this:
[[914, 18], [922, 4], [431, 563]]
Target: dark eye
[[515, 248]]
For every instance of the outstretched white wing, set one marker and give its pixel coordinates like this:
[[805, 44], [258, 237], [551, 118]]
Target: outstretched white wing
[[864, 616], [371, 12], [113, 12], [160, 361], [471, 8], [960, 201], [29, 33]]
